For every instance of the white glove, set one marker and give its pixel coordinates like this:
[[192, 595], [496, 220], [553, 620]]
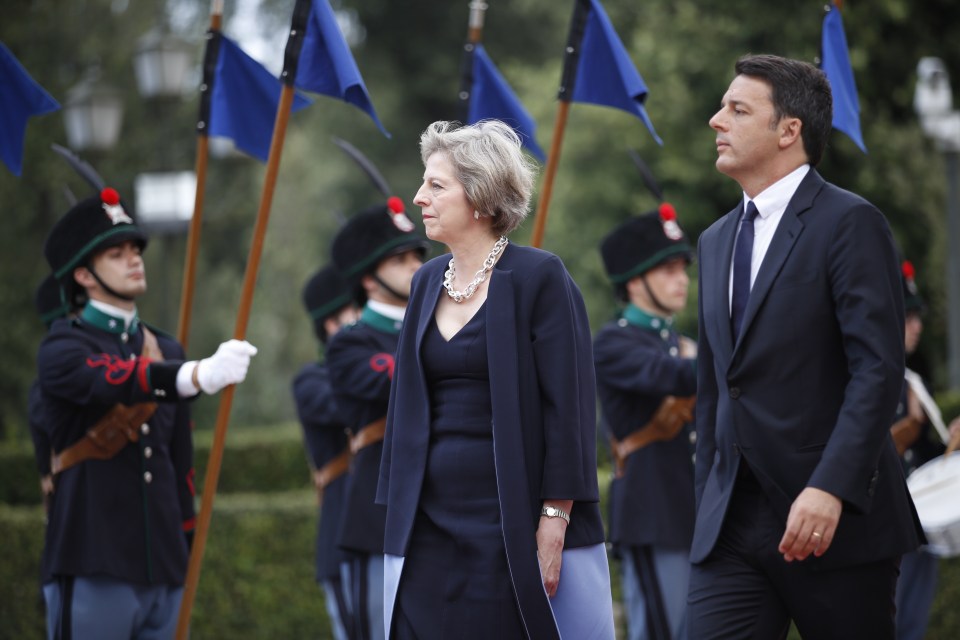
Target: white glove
[[225, 367]]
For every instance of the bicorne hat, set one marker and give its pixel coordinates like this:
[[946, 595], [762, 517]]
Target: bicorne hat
[[643, 242], [93, 224], [370, 236], [324, 294], [912, 300]]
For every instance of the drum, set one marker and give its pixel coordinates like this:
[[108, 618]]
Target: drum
[[935, 488]]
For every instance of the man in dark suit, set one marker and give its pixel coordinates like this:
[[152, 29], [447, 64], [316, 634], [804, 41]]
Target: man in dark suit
[[802, 509]]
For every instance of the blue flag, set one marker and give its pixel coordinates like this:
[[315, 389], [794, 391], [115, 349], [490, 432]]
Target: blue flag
[[836, 64], [606, 76], [491, 97], [245, 98], [20, 98], [327, 66]]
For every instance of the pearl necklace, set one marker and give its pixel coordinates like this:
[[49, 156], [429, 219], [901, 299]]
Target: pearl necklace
[[451, 273]]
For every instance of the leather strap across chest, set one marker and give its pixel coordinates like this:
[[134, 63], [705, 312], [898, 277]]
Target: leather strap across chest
[[120, 425], [665, 424]]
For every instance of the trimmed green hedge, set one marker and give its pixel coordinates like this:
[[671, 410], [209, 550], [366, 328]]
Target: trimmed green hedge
[[257, 579]]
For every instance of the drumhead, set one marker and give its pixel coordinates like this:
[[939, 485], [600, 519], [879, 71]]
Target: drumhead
[[935, 488]]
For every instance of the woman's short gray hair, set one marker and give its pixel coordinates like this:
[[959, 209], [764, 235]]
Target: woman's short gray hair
[[496, 175]]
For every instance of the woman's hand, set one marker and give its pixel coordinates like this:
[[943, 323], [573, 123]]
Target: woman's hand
[[550, 535]]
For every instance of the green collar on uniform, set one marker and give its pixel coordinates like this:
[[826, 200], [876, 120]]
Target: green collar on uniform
[[380, 322], [640, 318], [111, 324]]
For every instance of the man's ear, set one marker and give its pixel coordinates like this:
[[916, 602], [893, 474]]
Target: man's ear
[[790, 129], [83, 277], [369, 283]]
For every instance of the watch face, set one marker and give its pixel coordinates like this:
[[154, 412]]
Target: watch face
[[551, 511]]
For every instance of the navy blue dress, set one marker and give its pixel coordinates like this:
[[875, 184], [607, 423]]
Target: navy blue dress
[[455, 581]]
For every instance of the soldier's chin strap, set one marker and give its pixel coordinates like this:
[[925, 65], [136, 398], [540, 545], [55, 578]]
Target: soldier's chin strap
[[107, 288], [653, 298], [390, 290]]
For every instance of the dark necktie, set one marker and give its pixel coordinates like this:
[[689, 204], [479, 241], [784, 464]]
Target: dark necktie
[[742, 253]]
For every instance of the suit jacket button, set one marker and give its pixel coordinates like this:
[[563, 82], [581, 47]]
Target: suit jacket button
[[734, 392]]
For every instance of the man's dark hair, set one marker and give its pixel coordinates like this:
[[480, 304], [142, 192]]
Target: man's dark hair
[[798, 90]]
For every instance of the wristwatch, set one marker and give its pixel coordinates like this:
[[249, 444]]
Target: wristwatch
[[553, 512]]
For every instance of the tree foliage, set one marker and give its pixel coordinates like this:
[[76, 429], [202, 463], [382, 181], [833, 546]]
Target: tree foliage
[[410, 58]]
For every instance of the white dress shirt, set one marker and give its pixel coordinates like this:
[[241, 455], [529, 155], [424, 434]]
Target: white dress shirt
[[770, 203]]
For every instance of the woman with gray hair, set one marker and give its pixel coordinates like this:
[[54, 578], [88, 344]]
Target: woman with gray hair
[[489, 464]]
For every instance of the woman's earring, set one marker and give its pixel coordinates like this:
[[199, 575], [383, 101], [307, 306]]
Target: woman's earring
[[476, 214]]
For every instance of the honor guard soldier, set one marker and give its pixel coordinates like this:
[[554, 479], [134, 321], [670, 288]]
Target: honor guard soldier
[[914, 440], [330, 306], [646, 380], [115, 554], [377, 252]]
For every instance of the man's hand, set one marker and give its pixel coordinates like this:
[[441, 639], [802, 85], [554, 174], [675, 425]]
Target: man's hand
[[812, 522], [955, 432]]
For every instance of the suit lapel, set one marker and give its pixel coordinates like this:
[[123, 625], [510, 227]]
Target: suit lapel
[[721, 276], [433, 282], [786, 235]]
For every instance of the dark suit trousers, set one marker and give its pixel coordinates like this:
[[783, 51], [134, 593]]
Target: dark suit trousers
[[745, 589]]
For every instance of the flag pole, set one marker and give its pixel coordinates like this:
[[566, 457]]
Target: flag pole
[[203, 125], [478, 10], [301, 13], [571, 58]]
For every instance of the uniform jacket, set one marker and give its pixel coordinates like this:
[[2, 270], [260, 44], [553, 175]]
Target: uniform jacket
[[125, 517], [544, 415], [41, 440], [808, 393], [637, 366], [360, 359], [323, 432]]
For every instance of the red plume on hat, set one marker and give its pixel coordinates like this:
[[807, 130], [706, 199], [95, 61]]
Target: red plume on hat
[[909, 275], [397, 213], [112, 206], [668, 219]]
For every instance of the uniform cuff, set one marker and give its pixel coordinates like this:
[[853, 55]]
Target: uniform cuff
[[185, 379], [162, 377]]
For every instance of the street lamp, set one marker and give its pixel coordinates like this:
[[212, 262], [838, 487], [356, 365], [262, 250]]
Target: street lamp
[[164, 199], [933, 102], [92, 113], [161, 63]]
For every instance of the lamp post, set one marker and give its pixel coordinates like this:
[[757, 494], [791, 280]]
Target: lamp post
[[161, 64], [164, 199], [933, 102], [92, 113]]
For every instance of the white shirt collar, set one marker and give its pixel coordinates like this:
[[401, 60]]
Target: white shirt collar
[[388, 310], [776, 197], [116, 312]]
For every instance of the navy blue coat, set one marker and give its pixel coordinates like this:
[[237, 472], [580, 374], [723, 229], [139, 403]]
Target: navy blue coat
[[544, 413], [125, 517], [323, 432], [654, 502], [360, 358], [808, 392], [41, 441]]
